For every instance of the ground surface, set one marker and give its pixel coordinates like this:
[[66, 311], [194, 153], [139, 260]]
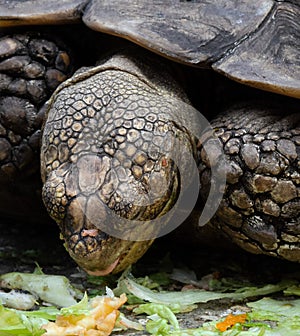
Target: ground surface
[[22, 245]]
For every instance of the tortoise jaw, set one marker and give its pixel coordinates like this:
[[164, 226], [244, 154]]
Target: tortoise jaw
[[99, 262], [103, 262], [100, 254], [104, 272]]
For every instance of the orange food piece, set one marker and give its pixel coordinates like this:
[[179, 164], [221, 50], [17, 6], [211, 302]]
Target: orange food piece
[[230, 321], [99, 322]]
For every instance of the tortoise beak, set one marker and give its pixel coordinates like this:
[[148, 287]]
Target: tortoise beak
[[106, 271], [103, 254]]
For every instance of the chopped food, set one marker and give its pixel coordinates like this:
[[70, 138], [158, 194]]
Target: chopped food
[[100, 320], [285, 313], [230, 321], [54, 289], [190, 297], [101, 316], [97, 316], [17, 299]]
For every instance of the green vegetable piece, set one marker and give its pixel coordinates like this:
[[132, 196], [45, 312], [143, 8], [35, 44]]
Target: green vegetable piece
[[274, 309], [293, 290], [159, 309], [82, 307], [191, 297], [18, 300], [18, 324], [54, 289], [286, 314], [158, 327]]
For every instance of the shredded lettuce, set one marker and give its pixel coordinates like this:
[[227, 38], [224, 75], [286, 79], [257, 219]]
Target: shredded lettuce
[[286, 314], [161, 310], [19, 323], [13, 322], [163, 306], [293, 290], [268, 317], [191, 297], [16, 299], [54, 289], [82, 307]]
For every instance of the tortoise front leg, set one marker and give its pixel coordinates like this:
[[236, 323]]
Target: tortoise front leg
[[31, 67], [261, 205]]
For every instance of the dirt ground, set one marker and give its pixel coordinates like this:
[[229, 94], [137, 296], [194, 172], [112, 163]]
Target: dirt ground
[[22, 245]]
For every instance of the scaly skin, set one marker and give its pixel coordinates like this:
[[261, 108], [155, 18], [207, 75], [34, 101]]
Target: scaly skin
[[32, 65], [107, 155], [261, 205]]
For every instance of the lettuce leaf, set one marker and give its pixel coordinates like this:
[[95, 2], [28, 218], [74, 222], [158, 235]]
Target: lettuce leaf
[[18, 323], [191, 297], [54, 289]]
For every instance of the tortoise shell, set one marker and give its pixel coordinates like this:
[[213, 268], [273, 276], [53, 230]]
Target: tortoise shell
[[255, 43]]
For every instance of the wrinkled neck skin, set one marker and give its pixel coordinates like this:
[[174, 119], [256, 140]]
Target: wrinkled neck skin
[[111, 158]]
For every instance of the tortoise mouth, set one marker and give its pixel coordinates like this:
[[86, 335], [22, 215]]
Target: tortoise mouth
[[103, 272], [102, 256]]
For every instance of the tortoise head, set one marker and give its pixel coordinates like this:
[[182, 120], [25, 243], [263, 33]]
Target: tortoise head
[[105, 165]]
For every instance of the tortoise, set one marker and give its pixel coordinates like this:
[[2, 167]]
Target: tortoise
[[117, 140]]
